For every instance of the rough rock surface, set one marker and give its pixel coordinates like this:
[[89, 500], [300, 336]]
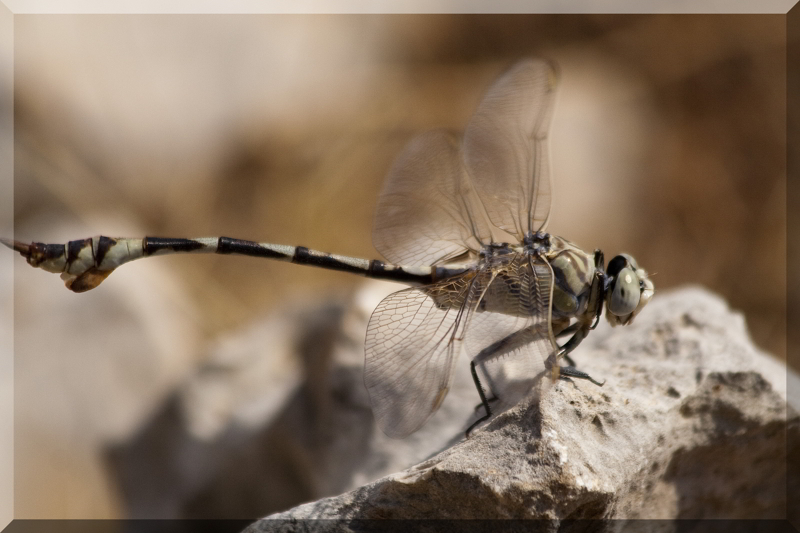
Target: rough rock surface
[[692, 422]]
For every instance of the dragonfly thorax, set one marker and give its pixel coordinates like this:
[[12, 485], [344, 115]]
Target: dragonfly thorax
[[574, 279], [539, 241], [532, 244]]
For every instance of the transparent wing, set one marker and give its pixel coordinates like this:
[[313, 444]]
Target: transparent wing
[[511, 344], [505, 147], [427, 213], [413, 341]]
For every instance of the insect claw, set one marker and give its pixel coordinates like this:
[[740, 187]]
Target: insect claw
[[566, 372]]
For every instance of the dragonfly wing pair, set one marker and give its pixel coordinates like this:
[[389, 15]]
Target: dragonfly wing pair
[[446, 199]]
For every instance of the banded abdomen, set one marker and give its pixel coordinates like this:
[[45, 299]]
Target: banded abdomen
[[85, 263]]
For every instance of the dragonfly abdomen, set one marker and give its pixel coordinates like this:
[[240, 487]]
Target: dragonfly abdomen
[[85, 263]]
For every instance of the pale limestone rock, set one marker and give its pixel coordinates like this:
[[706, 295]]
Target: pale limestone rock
[[691, 423]]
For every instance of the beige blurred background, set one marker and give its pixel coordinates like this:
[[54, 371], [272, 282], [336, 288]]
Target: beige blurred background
[[668, 142]]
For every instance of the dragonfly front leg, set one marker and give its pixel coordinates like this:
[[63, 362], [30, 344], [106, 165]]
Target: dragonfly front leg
[[586, 322], [571, 344], [579, 331], [598, 286], [569, 330]]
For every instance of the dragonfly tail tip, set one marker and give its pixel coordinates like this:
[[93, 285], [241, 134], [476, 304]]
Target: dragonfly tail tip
[[20, 247]]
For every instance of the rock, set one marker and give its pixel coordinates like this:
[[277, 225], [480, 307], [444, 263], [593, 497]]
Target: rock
[[691, 423], [281, 400]]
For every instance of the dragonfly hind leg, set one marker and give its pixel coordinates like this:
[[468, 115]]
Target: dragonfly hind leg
[[504, 345], [489, 399], [484, 400]]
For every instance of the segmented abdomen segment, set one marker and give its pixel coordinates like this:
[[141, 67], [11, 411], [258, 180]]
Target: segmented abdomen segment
[[84, 263], [227, 245], [76, 257]]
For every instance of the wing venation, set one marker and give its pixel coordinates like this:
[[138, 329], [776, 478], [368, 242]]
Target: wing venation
[[413, 341], [505, 147]]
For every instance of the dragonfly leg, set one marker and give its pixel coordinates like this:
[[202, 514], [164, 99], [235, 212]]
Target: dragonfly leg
[[482, 394], [598, 286], [589, 320], [490, 400], [571, 344], [569, 330], [496, 349], [572, 372]]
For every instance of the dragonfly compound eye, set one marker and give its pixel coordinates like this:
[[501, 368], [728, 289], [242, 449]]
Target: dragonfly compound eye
[[625, 292], [631, 261], [617, 264]]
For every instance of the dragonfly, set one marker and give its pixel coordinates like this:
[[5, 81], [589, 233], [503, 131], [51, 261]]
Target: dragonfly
[[461, 220]]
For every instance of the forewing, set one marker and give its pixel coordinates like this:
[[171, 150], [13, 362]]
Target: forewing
[[512, 340], [505, 147], [413, 341], [427, 212]]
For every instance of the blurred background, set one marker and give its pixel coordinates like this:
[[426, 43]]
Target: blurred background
[[668, 142]]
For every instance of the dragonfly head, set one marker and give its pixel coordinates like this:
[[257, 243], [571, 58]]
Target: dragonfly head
[[627, 290]]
